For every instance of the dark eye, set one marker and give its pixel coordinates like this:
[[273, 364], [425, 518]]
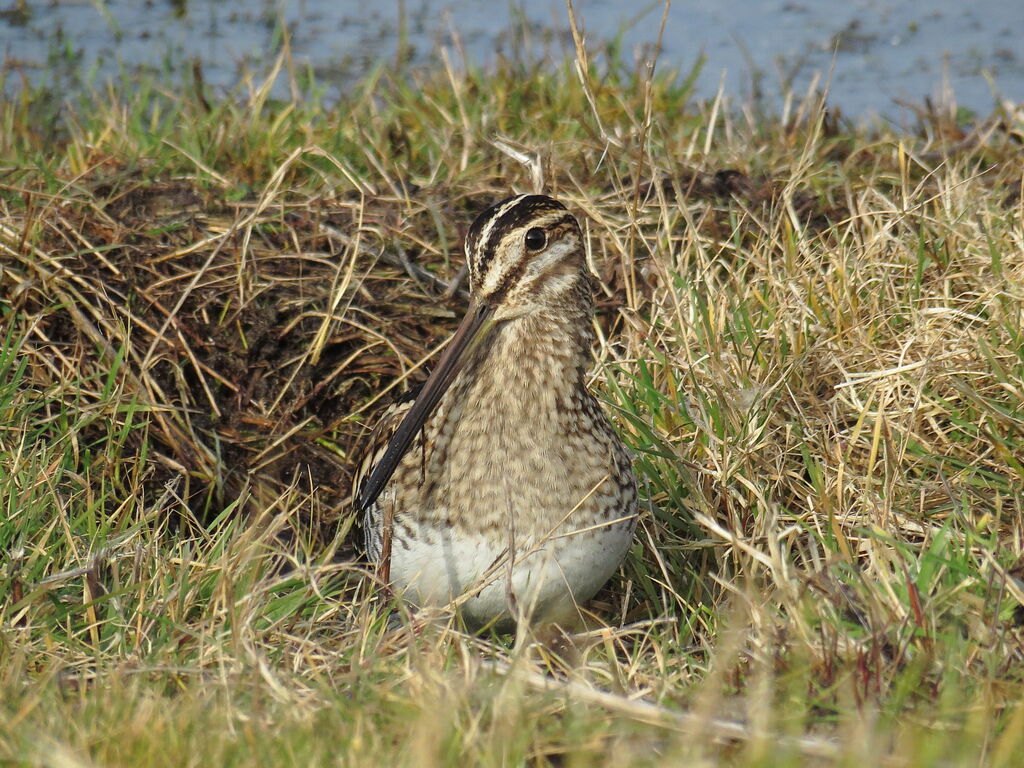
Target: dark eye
[[535, 239]]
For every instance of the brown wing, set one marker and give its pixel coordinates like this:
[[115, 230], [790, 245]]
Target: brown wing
[[377, 443], [376, 533]]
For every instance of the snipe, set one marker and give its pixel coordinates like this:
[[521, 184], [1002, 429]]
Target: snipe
[[503, 486]]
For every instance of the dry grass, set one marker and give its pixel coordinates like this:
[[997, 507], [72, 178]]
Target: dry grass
[[811, 336]]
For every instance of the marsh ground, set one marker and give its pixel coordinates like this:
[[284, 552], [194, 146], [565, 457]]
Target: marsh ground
[[810, 335]]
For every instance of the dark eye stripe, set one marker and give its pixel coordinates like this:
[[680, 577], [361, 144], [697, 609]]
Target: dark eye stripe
[[555, 232], [510, 279], [558, 225], [498, 220]]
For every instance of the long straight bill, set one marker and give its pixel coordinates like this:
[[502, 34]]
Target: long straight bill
[[471, 331]]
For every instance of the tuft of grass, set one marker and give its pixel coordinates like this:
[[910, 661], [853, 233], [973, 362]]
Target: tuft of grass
[[810, 335]]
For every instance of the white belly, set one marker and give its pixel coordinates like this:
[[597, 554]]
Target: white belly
[[548, 580]]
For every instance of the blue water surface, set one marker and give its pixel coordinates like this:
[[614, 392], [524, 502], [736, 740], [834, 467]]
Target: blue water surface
[[874, 54]]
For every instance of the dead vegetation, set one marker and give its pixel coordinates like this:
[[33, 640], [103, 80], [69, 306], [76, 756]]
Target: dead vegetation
[[811, 337]]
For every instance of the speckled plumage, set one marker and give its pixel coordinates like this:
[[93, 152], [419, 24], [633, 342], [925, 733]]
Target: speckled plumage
[[516, 456]]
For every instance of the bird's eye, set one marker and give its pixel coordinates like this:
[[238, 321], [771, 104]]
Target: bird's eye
[[535, 239]]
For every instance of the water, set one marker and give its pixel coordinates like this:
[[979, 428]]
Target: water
[[879, 52]]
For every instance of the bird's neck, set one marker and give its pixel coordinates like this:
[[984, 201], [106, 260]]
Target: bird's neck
[[543, 349]]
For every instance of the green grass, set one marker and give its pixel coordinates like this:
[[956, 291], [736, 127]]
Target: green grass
[[811, 337]]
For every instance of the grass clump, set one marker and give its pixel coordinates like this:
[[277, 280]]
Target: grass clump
[[810, 334]]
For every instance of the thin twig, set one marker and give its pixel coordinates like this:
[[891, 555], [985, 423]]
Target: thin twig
[[401, 261]]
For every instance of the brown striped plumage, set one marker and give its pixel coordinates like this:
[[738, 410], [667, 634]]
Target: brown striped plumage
[[503, 486]]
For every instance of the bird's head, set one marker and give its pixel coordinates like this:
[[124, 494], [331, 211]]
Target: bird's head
[[525, 253]]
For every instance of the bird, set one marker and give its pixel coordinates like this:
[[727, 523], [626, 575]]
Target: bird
[[501, 486]]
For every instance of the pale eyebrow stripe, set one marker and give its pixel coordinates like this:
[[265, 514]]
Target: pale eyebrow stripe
[[485, 233]]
